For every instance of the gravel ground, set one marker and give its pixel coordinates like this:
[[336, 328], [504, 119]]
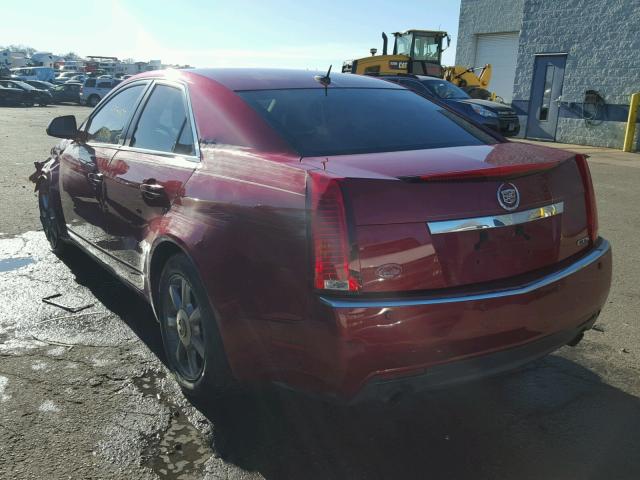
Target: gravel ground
[[88, 395]]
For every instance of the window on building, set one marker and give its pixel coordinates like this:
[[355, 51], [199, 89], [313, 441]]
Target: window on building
[[546, 95]]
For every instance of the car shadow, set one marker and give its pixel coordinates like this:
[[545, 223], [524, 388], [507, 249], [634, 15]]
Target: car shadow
[[117, 297], [552, 419]]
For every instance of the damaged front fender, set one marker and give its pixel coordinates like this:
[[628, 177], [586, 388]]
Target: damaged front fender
[[46, 174]]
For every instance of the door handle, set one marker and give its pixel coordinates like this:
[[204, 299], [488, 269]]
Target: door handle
[[95, 178], [152, 191]]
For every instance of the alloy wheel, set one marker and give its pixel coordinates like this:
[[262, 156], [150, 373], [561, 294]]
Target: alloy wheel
[[183, 325]]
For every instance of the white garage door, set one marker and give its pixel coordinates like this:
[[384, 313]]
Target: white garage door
[[501, 51]]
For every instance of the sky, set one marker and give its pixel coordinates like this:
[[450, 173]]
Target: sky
[[270, 33]]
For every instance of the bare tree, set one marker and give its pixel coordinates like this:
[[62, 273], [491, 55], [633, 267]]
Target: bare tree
[[71, 56]]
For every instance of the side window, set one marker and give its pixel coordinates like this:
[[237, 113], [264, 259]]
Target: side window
[[90, 83], [164, 124], [108, 124], [104, 85], [414, 85]]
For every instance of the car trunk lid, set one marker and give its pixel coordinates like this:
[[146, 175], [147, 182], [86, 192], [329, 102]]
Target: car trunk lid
[[446, 218]]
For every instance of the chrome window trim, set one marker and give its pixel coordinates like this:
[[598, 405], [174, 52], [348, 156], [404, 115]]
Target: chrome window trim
[[593, 256], [495, 221], [160, 153]]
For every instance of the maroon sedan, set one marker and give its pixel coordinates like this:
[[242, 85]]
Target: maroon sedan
[[341, 236]]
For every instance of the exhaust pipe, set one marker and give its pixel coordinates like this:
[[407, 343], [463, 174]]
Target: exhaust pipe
[[385, 41]]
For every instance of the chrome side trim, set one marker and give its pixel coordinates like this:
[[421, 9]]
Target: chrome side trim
[[495, 221], [593, 256]]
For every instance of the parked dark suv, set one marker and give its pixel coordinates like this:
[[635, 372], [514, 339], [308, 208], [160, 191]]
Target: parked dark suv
[[493, 115]]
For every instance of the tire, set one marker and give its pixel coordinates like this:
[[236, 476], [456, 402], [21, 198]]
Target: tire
[[93, 100], [52, 221], [190, 334]]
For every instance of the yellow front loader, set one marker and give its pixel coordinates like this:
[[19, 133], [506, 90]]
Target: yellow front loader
[[419, 52]]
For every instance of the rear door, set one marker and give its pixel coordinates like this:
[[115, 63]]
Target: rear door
[[83, 165], [146, 177]]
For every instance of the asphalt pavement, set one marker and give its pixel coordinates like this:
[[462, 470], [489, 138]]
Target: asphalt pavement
[[85, 392]]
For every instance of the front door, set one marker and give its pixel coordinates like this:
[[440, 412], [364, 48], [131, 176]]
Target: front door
[[546, 92], [83, 166], [146, 177]]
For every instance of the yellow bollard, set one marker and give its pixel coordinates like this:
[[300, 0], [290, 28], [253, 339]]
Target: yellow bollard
[[631, 123]]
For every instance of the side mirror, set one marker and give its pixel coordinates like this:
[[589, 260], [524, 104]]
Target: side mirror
[[63, 127]]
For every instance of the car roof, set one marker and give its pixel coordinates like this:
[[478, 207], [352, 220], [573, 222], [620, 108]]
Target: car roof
[[275, 78], [415, 77]]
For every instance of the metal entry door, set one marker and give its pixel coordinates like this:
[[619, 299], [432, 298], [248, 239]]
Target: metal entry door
[[546, 91]]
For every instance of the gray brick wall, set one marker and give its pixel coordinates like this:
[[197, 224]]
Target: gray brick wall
[[602, 40], [484, 16]]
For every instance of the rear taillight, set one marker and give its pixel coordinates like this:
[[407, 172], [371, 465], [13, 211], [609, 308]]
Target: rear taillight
[[330, 237], [590, 197]]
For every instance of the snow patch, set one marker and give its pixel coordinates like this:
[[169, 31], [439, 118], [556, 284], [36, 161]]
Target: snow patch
[[48, 406], [3, 385]]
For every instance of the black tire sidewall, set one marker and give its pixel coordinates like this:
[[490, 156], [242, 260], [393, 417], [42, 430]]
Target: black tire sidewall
[[216, 377], [52, 212]]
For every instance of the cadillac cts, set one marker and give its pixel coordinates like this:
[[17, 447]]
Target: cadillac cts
[[336, 235]]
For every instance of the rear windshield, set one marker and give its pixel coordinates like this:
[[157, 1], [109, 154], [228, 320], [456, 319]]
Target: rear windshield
[[359, 120]]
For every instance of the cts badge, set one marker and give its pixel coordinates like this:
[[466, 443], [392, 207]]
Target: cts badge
[[389, 271], [508, 196]]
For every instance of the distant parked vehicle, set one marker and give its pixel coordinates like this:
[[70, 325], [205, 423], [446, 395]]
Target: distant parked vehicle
[[40, 85], [494, 115], [94, 89], [31, 95], [79, 78], [64, 77], [44, 74], [68, 92], [11, 96], [69, 67]]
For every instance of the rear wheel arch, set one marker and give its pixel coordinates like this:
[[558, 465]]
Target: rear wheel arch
[[161, 252], [163, 249]]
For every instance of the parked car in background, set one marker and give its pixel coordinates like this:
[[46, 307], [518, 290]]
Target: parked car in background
[[94, 89], [40, 85], [10, 96], [45, 74], [67, 93], [31, 94], [346, 237], [79, 78], [494, 115], [63, 77], [69, 67]]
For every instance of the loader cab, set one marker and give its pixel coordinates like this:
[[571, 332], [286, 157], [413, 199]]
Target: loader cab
[[423, 47]]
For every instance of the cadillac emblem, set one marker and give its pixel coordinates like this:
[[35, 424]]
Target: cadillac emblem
[[508, 196]]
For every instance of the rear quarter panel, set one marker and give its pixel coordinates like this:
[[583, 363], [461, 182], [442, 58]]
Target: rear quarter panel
[[243, 221]]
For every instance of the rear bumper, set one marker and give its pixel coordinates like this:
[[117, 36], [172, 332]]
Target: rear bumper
[[386, 345], [474, 368]]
